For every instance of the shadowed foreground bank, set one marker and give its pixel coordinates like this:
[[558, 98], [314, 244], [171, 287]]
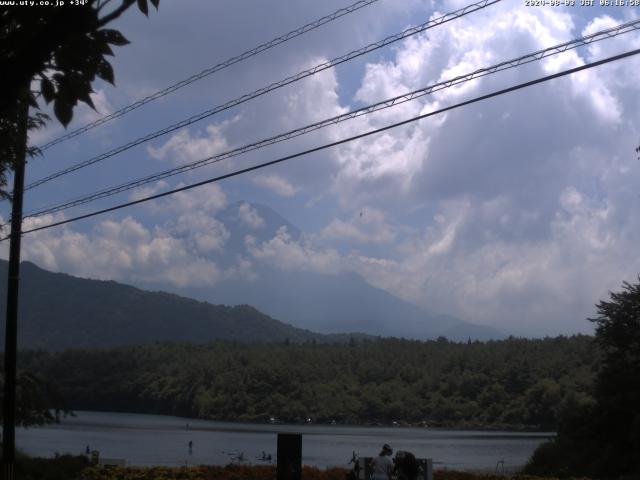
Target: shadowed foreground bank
[[69, 467]]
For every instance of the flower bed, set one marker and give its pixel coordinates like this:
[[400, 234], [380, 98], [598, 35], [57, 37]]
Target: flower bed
[[242, 472]]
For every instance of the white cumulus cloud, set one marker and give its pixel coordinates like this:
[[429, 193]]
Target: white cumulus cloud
[[277, 184]]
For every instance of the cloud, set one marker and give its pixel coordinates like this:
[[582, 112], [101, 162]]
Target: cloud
[[206, 198], [520, 229], [277, 184], [520, 211], [302, 103], [367, 226], [315, 99], [82, 115], [401, 158], [201, 233], [128, 251], [285, 253], [185, 147], [148, 190], [250, 216], [102, 104], [463, 266]]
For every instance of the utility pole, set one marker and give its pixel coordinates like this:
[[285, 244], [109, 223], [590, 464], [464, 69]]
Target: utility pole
[[11, 328]]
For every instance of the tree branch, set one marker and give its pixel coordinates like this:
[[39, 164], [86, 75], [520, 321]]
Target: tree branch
[[102, 4], [116, 13]]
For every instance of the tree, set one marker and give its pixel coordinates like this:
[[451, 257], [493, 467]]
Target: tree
[[54, 55], [602, 438], [38, 400], [617, 388], [59, 51]]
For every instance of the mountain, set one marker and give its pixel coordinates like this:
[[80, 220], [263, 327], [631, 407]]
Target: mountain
[[58, 311], [339, 304], [318, 301], [328, 303]]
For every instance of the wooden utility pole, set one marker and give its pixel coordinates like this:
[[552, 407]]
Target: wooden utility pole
[[11, 327]]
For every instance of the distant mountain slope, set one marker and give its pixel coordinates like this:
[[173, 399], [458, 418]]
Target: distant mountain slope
[[330, 303], [58, 311], [340, 303], [318, 301]]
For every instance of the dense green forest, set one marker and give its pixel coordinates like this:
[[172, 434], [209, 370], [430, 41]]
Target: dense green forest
[[513, 383]]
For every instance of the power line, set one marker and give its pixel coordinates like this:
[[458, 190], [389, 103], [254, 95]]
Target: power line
[[508, 64], [339, 142], [273, 86], [211, 70]]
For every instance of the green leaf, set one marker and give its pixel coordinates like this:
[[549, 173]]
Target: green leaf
[[89, 67], [102, 47], [47, 89], [114, 37], [144, 8], [84, 95], [63, 110], [105, 71]]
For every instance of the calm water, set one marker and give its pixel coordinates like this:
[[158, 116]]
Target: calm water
[[163, 440]]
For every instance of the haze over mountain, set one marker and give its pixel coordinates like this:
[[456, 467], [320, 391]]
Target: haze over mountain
[[59, 311], [322, 302]]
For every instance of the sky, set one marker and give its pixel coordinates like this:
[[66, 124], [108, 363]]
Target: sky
[[519, 212]]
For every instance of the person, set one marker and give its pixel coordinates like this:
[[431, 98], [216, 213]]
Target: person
[[406, 465], [87, 450], [382, 464], [190, 445], [354, 474]]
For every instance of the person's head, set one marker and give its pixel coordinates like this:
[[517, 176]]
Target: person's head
[[386, 450]]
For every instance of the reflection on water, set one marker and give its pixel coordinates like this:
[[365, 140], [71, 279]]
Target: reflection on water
[[163, 440]]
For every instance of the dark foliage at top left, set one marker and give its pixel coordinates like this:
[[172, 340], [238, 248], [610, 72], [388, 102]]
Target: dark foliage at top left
[[52, 55]]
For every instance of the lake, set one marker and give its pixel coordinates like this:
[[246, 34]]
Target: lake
[[163, 440]]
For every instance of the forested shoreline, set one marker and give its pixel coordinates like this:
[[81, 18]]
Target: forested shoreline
[[514, 383]]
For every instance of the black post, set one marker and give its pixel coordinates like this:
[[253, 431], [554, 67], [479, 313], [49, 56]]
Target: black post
[[11, 328], [289, 456]]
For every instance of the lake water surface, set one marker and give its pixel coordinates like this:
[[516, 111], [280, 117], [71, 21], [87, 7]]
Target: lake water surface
[[163, 440]]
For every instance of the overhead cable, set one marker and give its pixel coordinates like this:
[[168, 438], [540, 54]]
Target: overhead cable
[[211, 70], [339, 142], [508, 64], [273, 86]]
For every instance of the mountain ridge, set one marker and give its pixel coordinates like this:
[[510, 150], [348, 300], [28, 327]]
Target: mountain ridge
[[308, 305], [321, 302], [58, 311]]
